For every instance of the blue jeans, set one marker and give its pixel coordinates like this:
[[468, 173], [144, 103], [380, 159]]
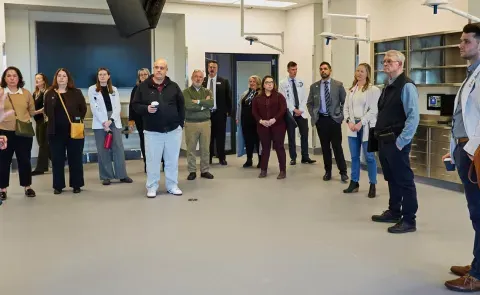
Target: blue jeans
[[166, 145], [472, 193], [355, 144]]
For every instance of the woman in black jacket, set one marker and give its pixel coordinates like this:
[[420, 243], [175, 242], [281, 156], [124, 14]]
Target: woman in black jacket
[[41, 84], [135, 119]]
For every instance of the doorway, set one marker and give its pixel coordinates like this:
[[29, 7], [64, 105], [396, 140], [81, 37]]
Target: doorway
[[237, 68]]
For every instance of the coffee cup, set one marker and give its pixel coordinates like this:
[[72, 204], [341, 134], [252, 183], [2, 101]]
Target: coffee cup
[[448, 164], [154, 104]]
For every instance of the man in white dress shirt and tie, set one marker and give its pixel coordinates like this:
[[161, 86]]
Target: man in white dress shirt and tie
[[294, 91], [222, 108]]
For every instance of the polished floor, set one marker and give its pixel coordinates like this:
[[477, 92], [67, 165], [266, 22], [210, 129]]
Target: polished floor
[[244, 235]]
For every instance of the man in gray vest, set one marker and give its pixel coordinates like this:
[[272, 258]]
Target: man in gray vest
[[397, 122]]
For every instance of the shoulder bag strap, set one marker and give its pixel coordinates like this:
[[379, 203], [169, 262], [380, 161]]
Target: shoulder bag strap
[[63, 104], [13, 107]]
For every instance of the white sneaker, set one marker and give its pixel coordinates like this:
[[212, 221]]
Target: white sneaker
[[175, 191], [152, 193]]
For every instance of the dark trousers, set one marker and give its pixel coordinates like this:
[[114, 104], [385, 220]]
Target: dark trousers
[[276, 134], [292, 146], [59, 144], [397, 172], [250, 135], [43, 148], [218, 134], [330, 133], [139, 125], [472, 193], [22, 147]]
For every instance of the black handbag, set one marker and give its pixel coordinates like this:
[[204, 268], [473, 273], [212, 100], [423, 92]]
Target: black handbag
[[372, 141]]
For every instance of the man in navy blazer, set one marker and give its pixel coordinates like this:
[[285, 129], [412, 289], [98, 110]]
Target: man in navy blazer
[[222, 108]]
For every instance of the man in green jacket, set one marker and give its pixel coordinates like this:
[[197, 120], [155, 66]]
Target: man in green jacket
[[198, 103]]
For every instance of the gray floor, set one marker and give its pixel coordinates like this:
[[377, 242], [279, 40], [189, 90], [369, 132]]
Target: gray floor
[[244, 235]]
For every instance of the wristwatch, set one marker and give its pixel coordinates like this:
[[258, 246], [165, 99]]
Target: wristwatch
[[348, 121]]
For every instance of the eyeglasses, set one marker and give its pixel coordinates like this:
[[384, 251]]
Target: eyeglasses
[[389, 61]]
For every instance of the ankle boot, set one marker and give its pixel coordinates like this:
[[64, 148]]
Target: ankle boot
[[372, 192], [249, 163], [352, 188]]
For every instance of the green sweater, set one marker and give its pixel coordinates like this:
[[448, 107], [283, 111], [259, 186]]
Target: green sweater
[[197, 112]]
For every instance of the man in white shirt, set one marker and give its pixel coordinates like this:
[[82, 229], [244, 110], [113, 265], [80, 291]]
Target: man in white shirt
[[294, 91]]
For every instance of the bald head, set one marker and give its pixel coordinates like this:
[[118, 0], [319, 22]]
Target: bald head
[[160, 69]]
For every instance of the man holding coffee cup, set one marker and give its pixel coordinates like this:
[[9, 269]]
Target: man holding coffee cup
[[464, 143], [160, 101]]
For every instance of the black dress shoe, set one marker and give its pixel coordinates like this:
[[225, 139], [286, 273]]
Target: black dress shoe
[[402, 227], [106, 182], [248, 163], [352, 188], [344, 177], [30, 193], [308, 161], [3, 196], [57, 191], [327, 176], [206, 175], [293, 162], [192, 176], [387, 216], [126, 180], [223, 162], [372, 192], [77, 190]]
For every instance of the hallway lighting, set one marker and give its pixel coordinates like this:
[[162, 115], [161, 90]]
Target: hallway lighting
[[443, 4]]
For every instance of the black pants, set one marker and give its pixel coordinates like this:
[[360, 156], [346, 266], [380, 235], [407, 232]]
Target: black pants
[[22, 147], [330, 133], [399, 175], [59, 144], [43, 148], [139, 125], [218, 134], [250, 135], [292, 145], [472, 193]]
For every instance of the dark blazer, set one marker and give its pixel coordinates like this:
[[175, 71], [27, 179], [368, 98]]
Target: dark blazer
[[223, 95], [74, 102], [132, 115], [337, 97]]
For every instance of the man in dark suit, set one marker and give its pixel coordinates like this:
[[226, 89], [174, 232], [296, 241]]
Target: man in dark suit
[[222, 107], [325, 105]]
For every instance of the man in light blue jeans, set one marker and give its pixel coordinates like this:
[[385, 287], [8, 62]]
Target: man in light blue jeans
[[160, 102]]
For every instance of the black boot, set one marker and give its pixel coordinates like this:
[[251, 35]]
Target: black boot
[[372, 192], [249, 163], [352, 188]]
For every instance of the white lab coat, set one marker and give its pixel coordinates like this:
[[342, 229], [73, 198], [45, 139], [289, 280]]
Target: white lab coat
[[470, 101], [370, 111], [99, 110], [285, 88]]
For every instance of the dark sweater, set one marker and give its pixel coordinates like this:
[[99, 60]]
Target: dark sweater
[[38, 105], [197, 112], [106, 98], [171, 108], [57, 119]]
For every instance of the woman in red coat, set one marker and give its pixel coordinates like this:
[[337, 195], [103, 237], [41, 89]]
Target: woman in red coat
[[269, 111]]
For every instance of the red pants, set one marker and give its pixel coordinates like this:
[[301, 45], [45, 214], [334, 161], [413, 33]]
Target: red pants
[[276, 133]]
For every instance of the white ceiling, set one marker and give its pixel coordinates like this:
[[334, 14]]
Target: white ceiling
[[234, 4]]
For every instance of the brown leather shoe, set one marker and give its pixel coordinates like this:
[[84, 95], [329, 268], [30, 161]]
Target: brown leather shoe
[[282, 175], [464, 284], [461, 270], [263, 174]]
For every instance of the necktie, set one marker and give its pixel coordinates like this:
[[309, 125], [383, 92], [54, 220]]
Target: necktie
[[295, 94], [327, 97], [213, 93]]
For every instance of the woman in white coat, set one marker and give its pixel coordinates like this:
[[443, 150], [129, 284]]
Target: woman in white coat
[[106, 108], [360, 111]]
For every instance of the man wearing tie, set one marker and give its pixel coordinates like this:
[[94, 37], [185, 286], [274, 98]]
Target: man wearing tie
[[222, 107], [294, 92], [325, 105]]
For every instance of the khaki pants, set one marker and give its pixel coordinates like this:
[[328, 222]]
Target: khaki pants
[[198, 133]]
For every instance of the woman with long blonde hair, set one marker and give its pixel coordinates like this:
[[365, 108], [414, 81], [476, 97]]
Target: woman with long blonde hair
[[360, 111]]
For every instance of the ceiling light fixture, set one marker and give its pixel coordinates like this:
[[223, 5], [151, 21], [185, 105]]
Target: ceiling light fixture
[[443, 4]]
